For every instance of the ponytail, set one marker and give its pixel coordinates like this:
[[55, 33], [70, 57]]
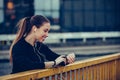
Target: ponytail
[[21, 30]]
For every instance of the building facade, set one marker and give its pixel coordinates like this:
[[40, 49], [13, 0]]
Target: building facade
[[64, 15]]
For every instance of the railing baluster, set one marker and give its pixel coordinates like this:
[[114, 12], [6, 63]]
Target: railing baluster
[[77, 73], [81, 74], [61, 76], [56, 77], [74, 75], [65, 75], [47, 78], [107, 71], [68, 75], [43, 78], [71, 75], [98, 72], [110, 71], [88, 73], [114, 69], [92, 72], [95, 72], [118, 69], [50, 78], [85, 74], [101, 72], [53, 77]]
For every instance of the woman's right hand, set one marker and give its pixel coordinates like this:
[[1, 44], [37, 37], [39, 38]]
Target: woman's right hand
[[70, 58], [60, 59]]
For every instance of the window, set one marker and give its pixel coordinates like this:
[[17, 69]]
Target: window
[[48, 8], [1, 11]]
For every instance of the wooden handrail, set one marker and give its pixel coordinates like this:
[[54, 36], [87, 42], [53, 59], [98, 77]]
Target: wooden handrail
[[99, 68]]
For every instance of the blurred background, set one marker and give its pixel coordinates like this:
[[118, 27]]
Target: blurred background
[[90, 28]]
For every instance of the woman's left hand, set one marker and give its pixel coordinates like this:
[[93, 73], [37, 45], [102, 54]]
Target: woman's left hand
[[70, 58]]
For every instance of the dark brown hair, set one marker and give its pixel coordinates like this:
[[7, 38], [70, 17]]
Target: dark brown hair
[[24, 27]]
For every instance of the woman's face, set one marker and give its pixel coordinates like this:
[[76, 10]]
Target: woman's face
[[42, 32]]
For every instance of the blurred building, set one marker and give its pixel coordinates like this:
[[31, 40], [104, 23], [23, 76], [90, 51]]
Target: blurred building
[[90, 15], [13, 11], [65, 15]]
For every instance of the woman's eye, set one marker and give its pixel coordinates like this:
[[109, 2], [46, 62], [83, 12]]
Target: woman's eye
[[45, 30]]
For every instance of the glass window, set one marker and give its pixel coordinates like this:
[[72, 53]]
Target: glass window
[[1, 15], [89, 19], [1, 11], [78, 5], [67, 5], [55, 4], [110, 4], [100, 19], [67, 18], [48, 8], [55, 14], [88, 4], [110, 19], [37, 12], [39, 4], [99, 5], [118, 19], [47, 4], [1, 4], [78, 19]]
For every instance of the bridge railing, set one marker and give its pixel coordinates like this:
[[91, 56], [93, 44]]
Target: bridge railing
[[99, 68], [62, 37]]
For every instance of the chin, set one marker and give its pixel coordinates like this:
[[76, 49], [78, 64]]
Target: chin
[[43, 40]]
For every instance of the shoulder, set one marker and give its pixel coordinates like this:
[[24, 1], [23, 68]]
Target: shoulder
[[21, 46], [17, 47]]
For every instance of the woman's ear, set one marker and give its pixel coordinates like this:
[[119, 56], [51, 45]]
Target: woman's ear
[[34, 28]]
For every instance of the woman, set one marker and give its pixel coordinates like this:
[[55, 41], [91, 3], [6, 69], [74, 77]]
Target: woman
[[27, 51]]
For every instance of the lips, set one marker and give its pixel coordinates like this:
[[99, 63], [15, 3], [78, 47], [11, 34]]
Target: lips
[[43, 38]]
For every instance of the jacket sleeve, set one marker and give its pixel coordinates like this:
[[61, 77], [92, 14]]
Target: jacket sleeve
[[50, 55]]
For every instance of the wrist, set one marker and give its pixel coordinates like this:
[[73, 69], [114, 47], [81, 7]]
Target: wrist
[[54, 64], [66, 60]]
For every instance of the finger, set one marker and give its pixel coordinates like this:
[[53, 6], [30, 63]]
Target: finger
[[70, 59], [72, 54], [62, 56]]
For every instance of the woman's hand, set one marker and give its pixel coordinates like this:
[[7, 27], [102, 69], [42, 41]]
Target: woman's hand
[[60, 59], [70, 58]]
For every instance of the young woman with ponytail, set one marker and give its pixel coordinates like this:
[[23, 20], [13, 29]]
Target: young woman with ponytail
[[27, 51]]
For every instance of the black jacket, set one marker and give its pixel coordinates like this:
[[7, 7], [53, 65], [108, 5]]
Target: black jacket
[[26, 57]]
